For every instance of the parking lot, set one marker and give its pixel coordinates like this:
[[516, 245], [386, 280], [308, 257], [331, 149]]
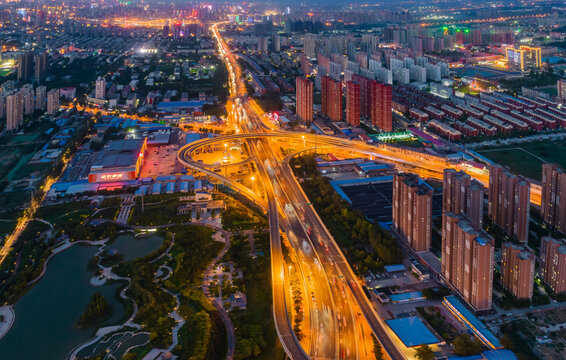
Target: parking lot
[[160, 161]]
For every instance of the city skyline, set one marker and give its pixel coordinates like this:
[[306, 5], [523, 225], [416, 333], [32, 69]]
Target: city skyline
[[282, 180]]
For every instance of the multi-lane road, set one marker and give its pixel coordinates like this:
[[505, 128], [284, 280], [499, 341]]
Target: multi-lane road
[[334, 329], [337, 308]]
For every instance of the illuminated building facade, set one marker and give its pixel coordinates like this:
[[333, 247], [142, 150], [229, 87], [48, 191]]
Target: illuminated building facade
[[304, 98], [120, 160], [509, 202], [553, 263], [524, 58], [332, 98], [518, 270], [353, 103], [467, 260], [553, 196], [462, 195], [412, 210], [380, 106]]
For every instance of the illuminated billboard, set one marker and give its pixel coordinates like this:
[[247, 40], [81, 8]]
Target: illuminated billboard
[[112, 176]]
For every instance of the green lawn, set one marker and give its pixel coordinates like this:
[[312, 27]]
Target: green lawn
[[4, 72], [17, 139], [526, 159], [109, 213], [62, 213], [21, 163], [254, 326]]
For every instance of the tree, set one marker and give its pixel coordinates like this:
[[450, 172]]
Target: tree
[[98, 310], [377, 350], [424, 352], [465, 345]]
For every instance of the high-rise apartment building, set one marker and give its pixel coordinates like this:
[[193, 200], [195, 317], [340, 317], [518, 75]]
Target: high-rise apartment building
[[310, 43], [53, 103], [561, 87], [365, 90], [275, 42], [40, 97], [462, 195], [41, 65], [553, 196], [553, 263], [14, 110], [380, 106], [305, 64], [332, 98], [303, 101], [518, 270], [2, 105], [100, 88], [412, 210], [25, 64], [353, 103], [477, 37], [467, 260], [29, 103], [262, 44], [509, 202]]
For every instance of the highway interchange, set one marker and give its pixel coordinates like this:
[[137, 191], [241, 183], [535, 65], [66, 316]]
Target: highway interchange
[[339, 316]]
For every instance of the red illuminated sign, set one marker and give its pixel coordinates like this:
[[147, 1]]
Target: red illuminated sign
[[106, 177]]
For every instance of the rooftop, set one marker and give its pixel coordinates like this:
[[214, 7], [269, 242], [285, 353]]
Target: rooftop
[[408, 296], [472, 321], [394, 268], [501, 354], [119, 153], [180, 104], [412, 331]]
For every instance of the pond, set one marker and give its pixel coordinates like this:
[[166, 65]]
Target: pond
[[44, 327], [134, 247]]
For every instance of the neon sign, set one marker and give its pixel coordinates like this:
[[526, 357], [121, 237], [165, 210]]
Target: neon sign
[[116, 176]]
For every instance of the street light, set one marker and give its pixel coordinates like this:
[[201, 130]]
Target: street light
[[225, 147], [253, 178], [303, 136]]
